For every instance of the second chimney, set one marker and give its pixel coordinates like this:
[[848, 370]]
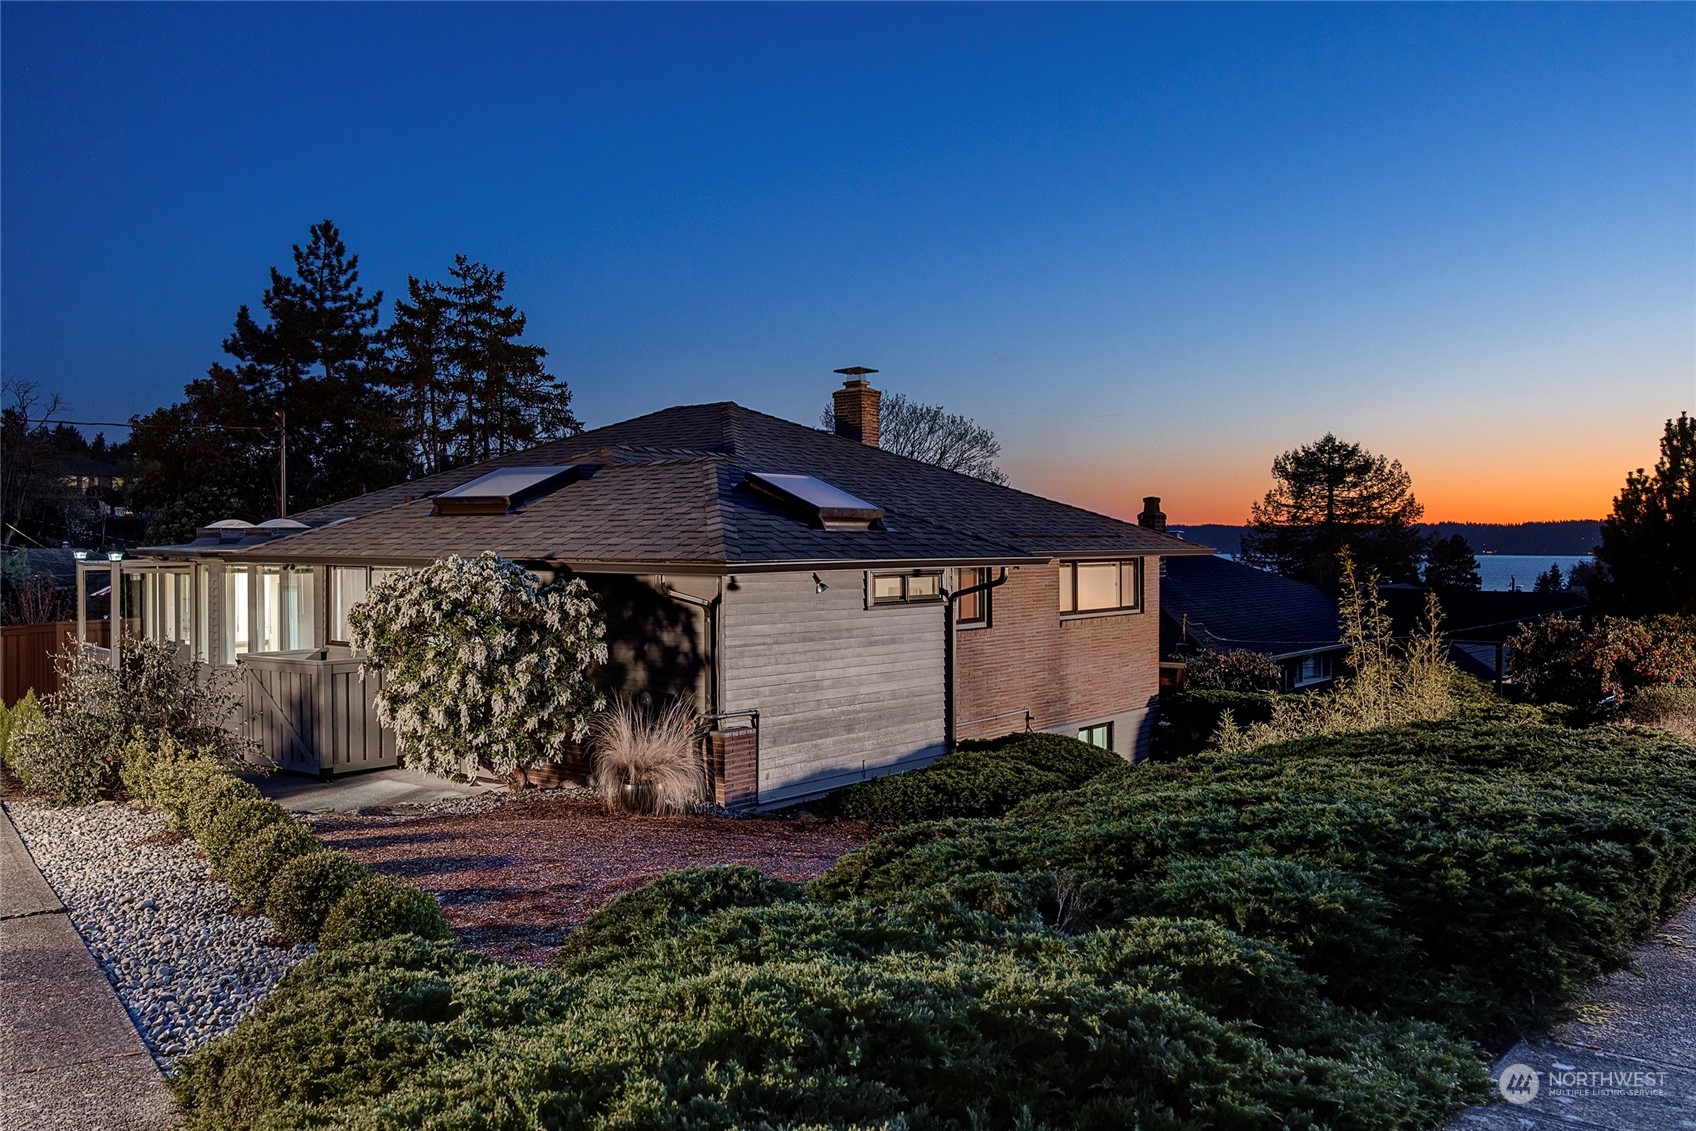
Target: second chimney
[[856, 406], [1151, 516]]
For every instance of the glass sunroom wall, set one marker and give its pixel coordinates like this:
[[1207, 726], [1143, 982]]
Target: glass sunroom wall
[[235, 612], [284, 610]]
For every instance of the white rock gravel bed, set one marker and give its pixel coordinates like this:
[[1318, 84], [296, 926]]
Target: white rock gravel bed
[[156, 921]]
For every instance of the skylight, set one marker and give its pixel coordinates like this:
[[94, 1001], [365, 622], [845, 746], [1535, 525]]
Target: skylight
[[831, 506], [501, 490]]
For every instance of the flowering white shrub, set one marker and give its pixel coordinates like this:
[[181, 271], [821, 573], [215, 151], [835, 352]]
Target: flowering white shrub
[[481, 660]]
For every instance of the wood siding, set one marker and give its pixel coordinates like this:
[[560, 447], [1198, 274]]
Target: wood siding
[[314, 716], [844, 692]]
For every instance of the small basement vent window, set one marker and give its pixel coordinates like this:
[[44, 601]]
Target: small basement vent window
[[502, 490], [814, 499]]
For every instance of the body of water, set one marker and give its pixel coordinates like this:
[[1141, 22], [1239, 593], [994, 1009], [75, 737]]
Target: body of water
[[1502, 571]]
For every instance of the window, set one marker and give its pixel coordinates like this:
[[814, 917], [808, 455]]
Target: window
[[1099, 735], [906, 588], [1093, 587], [973, 608], [348, 587], [1308, 671]]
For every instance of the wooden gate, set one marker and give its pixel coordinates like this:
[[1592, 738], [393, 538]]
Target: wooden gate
[[313, 715]]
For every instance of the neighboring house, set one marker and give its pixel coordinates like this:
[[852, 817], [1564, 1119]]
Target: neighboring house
[[868, 609], [1218, 604], [1477, 623]]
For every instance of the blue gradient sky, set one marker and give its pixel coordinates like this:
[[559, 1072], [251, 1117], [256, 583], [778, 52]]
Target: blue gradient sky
[[1150, 246]]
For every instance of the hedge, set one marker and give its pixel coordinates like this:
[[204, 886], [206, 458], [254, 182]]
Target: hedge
[[1317, 934], [268, 859], [980, 779], [1188, 719]]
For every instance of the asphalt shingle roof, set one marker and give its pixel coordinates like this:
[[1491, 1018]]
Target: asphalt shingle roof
[[666, 489], [1230, 605]]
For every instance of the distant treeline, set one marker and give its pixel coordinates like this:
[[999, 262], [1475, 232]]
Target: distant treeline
[[1574, 536]]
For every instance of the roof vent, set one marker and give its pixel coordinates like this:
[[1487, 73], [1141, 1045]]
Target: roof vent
[[503, 490], [830, 507]]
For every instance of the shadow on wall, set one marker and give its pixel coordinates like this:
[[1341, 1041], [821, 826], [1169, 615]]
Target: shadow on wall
[[655, 644]]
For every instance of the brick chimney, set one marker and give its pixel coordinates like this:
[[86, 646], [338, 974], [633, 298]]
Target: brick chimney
[[1151, 516], [856, 406]]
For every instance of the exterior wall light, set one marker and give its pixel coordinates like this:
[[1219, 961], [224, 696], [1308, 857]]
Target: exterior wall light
[[818, 583]]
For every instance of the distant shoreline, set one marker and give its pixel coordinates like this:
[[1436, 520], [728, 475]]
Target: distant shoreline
[[1567, 538]]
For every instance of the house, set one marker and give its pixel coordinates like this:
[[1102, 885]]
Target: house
[[1210, 602], [1477, 623], [833, 610]]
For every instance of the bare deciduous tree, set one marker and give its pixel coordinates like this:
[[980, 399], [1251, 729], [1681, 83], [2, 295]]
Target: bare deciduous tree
[[931, 434]]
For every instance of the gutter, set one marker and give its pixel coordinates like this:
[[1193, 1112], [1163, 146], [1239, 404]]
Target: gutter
[[948, 653]]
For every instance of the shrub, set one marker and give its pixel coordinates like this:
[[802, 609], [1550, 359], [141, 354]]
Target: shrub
[[1390, 684], [176, 786], [655, 910], [1667, 708], [1561, 660], [480, 660], [378, 908], [212, 794], [1310, 935], [656, 753], [979, 779], [14, 720], [142, 762], [1189, 718], [306, 888], [73, 756], [231, 829], [1236, 670], [254, 865]]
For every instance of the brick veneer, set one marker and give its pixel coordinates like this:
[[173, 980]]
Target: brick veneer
[[733, 762], [1064, 671]]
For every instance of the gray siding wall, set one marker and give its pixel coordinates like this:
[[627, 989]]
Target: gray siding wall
[[844, 692]]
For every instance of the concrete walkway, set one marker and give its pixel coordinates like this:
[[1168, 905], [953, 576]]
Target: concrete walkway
[[365, 790], [1626, 1063], [70, 1058]]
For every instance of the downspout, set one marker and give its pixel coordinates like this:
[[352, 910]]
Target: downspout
[[710, 612], [948, 652]]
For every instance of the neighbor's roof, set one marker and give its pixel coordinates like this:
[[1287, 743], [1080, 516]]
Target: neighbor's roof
[[666, 489], [1230, 606]]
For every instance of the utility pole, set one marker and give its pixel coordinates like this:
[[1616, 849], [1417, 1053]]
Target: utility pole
[[282, 464]]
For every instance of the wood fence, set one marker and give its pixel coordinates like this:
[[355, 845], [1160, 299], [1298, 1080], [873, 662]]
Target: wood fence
[[28, 651]]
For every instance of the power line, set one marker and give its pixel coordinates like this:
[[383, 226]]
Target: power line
[[150, 424]]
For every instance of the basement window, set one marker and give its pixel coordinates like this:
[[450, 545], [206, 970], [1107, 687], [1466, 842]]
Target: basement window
[[1101, 587], [920, 587], [1100, 735], [501, 490], [821, 503]]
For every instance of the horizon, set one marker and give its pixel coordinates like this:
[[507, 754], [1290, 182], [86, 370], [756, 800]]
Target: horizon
[[1149, 247]]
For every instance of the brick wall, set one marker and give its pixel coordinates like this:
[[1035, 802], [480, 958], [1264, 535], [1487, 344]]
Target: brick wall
[[733, 761], [1066, 672]]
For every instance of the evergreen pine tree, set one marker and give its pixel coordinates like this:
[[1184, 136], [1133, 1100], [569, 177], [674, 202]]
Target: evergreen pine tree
[[1451, 564], [1549, 582], [1648, 550]]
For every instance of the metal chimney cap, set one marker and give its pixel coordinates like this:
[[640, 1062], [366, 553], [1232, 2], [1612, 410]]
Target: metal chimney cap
[[855, 371]]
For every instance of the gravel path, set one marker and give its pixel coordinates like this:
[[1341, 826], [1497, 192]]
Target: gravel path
[[514, 875], [160, 926]]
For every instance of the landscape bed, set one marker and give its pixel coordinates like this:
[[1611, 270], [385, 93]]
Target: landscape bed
[[515, 877], [1330, 932]]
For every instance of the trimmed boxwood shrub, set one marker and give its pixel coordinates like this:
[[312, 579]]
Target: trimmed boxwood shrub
[[306, 888], [980, 779], [231, 829], [215, 794], [378, 908], [254, 865]]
